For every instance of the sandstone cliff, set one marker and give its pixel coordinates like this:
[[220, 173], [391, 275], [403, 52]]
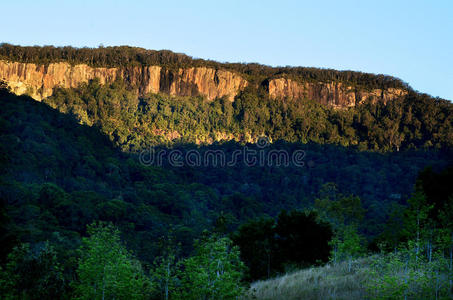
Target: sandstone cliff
[[335, 94], [39, 81]]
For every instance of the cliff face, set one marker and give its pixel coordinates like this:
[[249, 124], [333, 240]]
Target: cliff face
[[39, 81], [335, 94], [207, 82]]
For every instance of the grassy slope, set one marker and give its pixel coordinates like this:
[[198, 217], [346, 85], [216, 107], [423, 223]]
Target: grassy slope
[[327, 282]]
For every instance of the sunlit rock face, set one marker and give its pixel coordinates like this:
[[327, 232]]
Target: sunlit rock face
[[40, 81], [335, 94]]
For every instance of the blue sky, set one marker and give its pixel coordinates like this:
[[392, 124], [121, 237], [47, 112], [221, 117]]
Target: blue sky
[[412, 40]]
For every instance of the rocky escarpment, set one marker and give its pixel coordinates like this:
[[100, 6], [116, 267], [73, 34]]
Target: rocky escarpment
[[335, 94], [39, 81]]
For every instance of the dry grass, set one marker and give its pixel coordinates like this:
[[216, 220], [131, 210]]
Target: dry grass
[[327, 282]]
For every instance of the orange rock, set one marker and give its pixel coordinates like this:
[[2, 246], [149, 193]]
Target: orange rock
[[39, 81], [335, 94]]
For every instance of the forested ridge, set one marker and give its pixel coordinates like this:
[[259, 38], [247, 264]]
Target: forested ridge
[[416, 121], [126, 56], [83, 216], [59, 175]]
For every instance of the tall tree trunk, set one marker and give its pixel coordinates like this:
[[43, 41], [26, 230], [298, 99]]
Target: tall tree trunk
[[167, 281], [268, 264], [417, 247], [451, 264], [103, 285]]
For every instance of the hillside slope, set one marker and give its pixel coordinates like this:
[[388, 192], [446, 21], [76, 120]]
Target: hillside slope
[[332, 281], [94, 180]]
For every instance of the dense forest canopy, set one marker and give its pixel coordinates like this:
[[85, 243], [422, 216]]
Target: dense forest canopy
[[416, 121], [83, 216], [57, 173], [125, 56]]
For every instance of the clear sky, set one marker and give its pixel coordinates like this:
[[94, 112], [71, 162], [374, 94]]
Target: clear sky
[[412, 40]]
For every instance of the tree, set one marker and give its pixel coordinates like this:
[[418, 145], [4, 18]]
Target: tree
[[445, 236], [302, 239], [337, 208], [214, 272], [165, 266], [345, 214], [347, 245], [256, 240], [8, 234], [393, 231], [106, 270], [33, 274], [418, 227], [164, 275], [401, 275]]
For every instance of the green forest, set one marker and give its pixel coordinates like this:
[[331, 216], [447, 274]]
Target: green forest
[[83, 217], [413, 122]]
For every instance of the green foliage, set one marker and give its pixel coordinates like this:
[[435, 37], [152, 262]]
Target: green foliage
[[32, 274], [401, 275], [164, 272], [164, 275], [59, 175], [348, 244], [345, 213], [418, 226], [302, 238], [106, 270], [213, 272], [422, 267], [412, 122], [51, 147], [393, 232], [338, 209], [8, 234], [297, 239], [256, 240]]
